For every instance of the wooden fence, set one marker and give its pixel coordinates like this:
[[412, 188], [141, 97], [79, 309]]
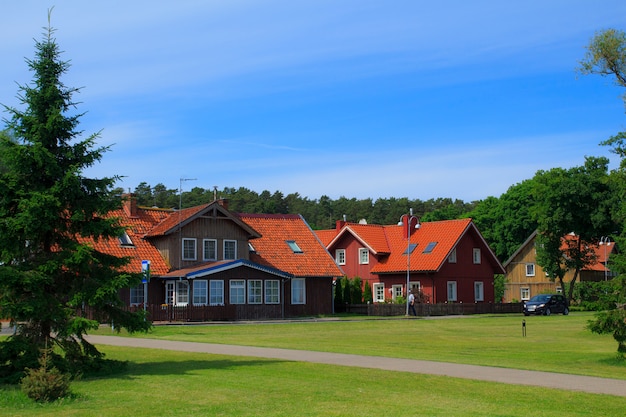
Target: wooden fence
[[424, 310]]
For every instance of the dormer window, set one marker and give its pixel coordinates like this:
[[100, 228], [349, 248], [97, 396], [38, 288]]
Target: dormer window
[[125, 240], [294, 246]]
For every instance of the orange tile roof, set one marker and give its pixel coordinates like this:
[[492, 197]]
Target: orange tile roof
[[137, 227], [272, 250], [600, 261], [446, 233]]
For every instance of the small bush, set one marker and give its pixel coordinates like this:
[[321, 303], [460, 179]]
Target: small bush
[[45, 384]]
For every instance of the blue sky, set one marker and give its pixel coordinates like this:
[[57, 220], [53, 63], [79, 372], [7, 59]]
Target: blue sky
[[351, 98]]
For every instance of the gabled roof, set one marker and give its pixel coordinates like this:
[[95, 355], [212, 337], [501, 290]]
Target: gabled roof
[[272, 250], [391, 241], [211, 268], [182, 217], [137, 226]]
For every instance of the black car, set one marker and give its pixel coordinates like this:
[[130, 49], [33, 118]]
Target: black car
[[546, 304]]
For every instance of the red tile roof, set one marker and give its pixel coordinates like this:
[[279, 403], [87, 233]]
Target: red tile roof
[[273, 251]]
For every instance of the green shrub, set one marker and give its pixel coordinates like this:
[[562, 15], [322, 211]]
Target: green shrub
[[45, 384]]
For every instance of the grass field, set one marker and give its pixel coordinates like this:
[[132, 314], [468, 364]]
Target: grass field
[[162, 383]]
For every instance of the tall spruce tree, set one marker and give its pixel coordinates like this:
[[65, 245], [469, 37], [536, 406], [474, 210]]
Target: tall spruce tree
[[49, 213]]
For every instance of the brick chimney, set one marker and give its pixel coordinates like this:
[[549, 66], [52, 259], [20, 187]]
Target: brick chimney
[[339, 224], [223, 202], [130, 205]]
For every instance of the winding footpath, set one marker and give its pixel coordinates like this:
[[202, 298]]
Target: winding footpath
[[588, 384]]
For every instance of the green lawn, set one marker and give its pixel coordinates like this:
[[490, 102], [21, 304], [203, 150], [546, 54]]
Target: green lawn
[[163, 383], [555, 343]]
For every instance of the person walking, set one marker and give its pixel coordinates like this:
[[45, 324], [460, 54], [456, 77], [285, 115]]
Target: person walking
[[412, 303]]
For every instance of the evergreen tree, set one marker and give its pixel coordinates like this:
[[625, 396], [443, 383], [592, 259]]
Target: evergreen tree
[[49, 212]]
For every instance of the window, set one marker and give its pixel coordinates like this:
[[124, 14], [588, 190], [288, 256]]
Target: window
[[125, 240], [230, 249], [379, 292], [396, 291], [452, 256], [530, 270], [200, 293], [451, 290], [136, 295], [364, 256], [410, 249], [298, 291], [294, 246], [255, 291], [479, 291], [340, 256], [237, 291], [429, 248], [525, 293], [415, 287], [209, 250], [189, 249], [476, 255], [216, 292], [182, 293], [169, 293], [272, 292]]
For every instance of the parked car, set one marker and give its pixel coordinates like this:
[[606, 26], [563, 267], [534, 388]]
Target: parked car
[[546, 304]]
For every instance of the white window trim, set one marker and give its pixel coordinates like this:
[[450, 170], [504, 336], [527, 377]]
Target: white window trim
[[224, 249], [240, 285], [364, 256], [378, 290], [476, 256], [252, 295], [204, 292], [532, 272], [219, 292], [524, 290], [181, 293], [397, 291], [340, 256], [300, 296], [451, 290], [195, 249], [269, 291], [204, 250], [479, 291]]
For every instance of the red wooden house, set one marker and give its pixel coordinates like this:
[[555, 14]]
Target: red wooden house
[[444, 261], [222, 265]]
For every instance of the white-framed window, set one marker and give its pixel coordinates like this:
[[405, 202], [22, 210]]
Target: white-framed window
[[452, 291], [379, 292], [200, 292], [364, 256], [298, 291], [476, 255], [169, 293], [137, 295], [479, 291], [216, 292], [415, 287], [525, 293], [255, 291], [182, 293], [230, 249], [237, 291], [209, 249], [189, 249], [396, 291], [272, 291], [530, 270], [452, 256], [340, 256]]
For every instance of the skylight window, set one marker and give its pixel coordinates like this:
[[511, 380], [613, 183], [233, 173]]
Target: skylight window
[[410, 249], [251, 248], [430, 247], [125, 240], [294, 246]]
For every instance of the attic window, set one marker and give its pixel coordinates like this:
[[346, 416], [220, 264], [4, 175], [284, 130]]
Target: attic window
[[410, 249], [125, 240], [294, 246], [430, 247]]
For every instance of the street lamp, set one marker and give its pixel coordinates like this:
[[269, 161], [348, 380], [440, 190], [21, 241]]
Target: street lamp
[[605, 241], [409, 220]]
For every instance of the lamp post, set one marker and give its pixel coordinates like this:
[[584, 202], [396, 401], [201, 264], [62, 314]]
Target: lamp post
[[605, 241], [410, 217]]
